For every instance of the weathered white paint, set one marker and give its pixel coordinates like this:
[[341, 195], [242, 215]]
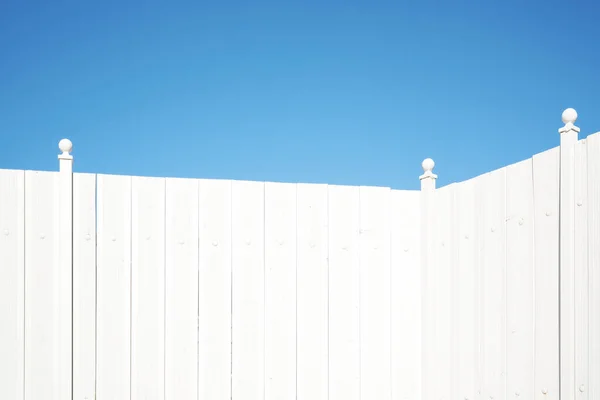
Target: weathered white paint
[[186, 288]]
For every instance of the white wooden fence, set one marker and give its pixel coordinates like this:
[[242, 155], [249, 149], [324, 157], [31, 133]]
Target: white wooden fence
[[118, 287]]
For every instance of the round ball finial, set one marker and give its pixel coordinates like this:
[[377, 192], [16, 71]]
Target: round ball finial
[[65, 146], [428, 165], [569, 115]]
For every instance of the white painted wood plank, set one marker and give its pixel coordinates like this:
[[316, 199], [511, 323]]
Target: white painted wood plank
[[344, 286], [581, 274], [593, 180], [181, 289], [12, 283], [568, 139], [444, 304], [280, 291], [248, 335], [147, 288], [113, 287], [405, 295], [42, 281], [520, 304], [492, 249], [215, 290], [375, 324], [546, 196], [466, 291], [428, 211], [84, 286], [312, 292]]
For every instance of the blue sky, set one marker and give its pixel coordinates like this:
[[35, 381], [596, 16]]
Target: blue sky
[[315, 91]]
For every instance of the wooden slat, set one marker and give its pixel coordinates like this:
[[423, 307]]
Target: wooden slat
[[519, 280], [181, 289], [545, 248], [444, 304], [312, 292], [280, 291], [593, 181], [248, 367], [405, 295], [492, 249], [581, 273], [568, 139], [466, 292], [214, 319], [41, 285], [147, 288], [344, 286], [84, 286], [113, 287], [12, 283], [374, 261]]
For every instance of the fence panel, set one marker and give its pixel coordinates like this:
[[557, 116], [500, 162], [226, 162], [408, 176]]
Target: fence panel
[[214, 319], [12, 283], [405, 295], [492, 247], [84, 286], [280, 291], [312, 292], [467, 306], [545, 254], [520, 279], [42, 285], [344, 287], [113, 288], [181, 289], [593, 193], [248, 335]]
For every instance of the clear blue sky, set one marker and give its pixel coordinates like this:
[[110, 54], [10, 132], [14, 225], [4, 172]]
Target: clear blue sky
[[313, 91]]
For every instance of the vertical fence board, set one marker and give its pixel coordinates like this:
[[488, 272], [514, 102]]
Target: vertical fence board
[[215, 290], [405, 281], [41, 286], [492, 232], [280, 291], [519, 280], [568, 141], [248, 333], [580, 272], [444, 304], [147, 288], [181, 289], [545, 249], [12, 283], [344, 286], [466, 287], [375, 328], [312, 292], [113, 288], [593, 181], [84, 286]]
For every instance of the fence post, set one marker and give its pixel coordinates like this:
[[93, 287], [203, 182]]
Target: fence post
[[568, 139], [427, 290], [65, 269]]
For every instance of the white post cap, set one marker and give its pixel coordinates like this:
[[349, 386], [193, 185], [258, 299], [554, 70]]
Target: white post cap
[[569, 116], [65, 146], [428, 164]]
